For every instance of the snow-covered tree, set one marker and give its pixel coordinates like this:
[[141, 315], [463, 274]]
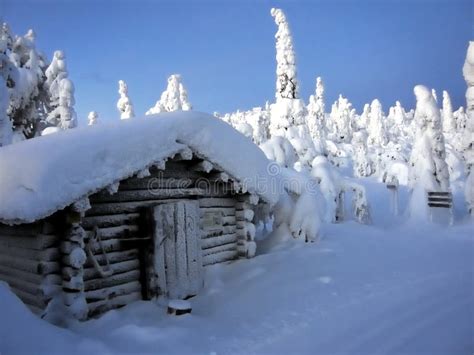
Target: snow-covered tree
[[362, 121], [287, 83], [428, 157], [341, 120], [22, 68], [92, 118], [288, 114], [124, 104], [375, 128], [6, 129], [317, 117], [61, 93], [449, 124], [362, 164], [468, 132], [174, 98], [63, 115], [435, 96]]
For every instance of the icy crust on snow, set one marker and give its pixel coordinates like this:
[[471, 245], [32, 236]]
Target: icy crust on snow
[[46, 174]]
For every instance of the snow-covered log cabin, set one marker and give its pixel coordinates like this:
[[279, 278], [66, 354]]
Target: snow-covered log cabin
[[97, 217]]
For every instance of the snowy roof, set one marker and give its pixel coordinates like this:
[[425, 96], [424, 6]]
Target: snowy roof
[[43, 175]]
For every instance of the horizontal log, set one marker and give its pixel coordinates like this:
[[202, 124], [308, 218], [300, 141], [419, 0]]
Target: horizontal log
[[220, 248], [22, 285], [154, 182], [50, 254], [115, 279], [223, 239], [114, 291], [29, 299], [89, 222], [109, 245], [228, 220], [99, 307], [216, 202], [143, 195], [219, 257], [218, 230], [35, 310], [36, 267], [245, 215], [437, 193], [118, 232], [29, 276], [21, 229], [37, 242], [118, 268], [99, 209], [114, 257], [226, 211]]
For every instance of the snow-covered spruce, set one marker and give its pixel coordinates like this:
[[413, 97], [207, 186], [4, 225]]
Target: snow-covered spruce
[[6, 129], [174, 98], [375, 127], [124, 104], [92, 118], [449, 123], [341, 114], [429, 168], [61, 91], [362, 164], [22, 68], [287, 83], [317, 117], [468, 132]]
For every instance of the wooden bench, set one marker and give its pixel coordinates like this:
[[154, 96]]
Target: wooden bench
[[440, 200]]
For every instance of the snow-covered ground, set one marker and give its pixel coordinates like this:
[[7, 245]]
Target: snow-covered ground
[[390, 287]]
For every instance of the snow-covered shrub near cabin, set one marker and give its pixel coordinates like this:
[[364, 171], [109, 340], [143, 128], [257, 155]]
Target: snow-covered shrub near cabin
[[92, 118], [281, 151], [429, 168], [317, 117], [299, 207], [375, 128], [174, 98], [124, 104], [362, 165], [329, 183], [468, 132]]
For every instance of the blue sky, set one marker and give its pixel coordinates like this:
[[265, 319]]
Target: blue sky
[[225, 49]]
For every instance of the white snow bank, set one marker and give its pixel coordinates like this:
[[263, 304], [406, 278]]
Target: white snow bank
[[46, 174], [21, 332]]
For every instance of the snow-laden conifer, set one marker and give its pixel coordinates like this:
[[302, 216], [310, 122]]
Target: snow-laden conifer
[[92, 118], [468, 131], [174, 98], [428, 157], [375, 128], [124, 104]]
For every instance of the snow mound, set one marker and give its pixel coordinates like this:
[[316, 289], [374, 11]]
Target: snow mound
[[48, 173]]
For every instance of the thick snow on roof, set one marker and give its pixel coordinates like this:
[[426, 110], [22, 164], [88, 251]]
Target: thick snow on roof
[[45, 174]]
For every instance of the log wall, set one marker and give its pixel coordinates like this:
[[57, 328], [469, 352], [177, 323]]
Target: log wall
[[30, 262]]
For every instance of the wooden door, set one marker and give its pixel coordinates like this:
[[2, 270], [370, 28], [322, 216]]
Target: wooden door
[[175, 263]]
